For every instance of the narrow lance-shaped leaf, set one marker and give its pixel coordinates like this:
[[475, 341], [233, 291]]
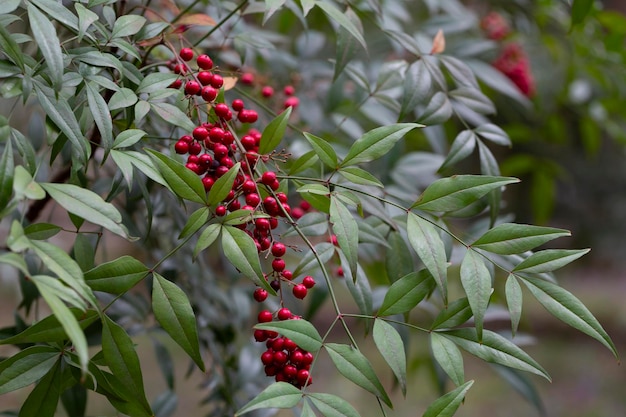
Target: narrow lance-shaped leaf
[[417, 85], [208, 236], [549, 260], [195, 221], [347, 45], [174, 313], [495, 349], [447, 405], [116, 276], [6, 175], [26, 367], [352, 364], [391, 347], [456, 192], [347, 231], [277, 395], [376, 143], [223, 185], [274, 132], [101, 114], [172, 115], [566, 307], [338, 17], [300, 331], [184, 183], [127, 25], [332, 405], [323, 149], [241, 251], [461, 148], [449, 357], [48, 42], [360, 176], [457, 313], [437, 111], [87, 205], [513, 293], [43, 399], [511, 238], [476, 281], [425, 240], [121, 358], [407, 292], [11, 48]]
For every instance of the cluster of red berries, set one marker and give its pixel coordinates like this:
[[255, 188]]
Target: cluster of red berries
[[512, 60], [212, 149], [267, 91]]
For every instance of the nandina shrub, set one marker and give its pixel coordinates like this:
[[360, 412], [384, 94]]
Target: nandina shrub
[[251, 178]]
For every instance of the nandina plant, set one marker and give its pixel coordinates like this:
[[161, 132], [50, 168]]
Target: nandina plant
[[250, 178]]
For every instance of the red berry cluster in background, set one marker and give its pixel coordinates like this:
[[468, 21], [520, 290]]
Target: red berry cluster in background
[[212, 149], [512, 61], [495, 26]]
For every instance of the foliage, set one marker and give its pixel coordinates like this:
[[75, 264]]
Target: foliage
[[350, 181]]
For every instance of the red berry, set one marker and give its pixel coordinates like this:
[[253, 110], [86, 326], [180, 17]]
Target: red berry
[[260, 294], [181, 147], [253, 200], [268, 177], [282, 197], [247, 78], [248, 142], [296, 357], [221, 110], [290, 371], [284, 314], [267, 357], [280, 357], [248, 187], [216, 134], [278, 264], [308, 281], [192, 88], [204, 77], [220, 151], [208, 182], [265, 316], [186, 54], [200, 133], [208, 93], [271, 370], [289, 90], [273, 223], [237, 104], [217, 81], [303, 376], [205, 159], [195, 148], [333, 240], [300, 291], [289, 345], [248, 116], [220, 171], [292, 101], [278, 249], [287, 274], [193, 167], [340, 272], [260, 336], [204, 62], [307, 358], [262, 223], [277, 344], [267, 91], [176, 84], [297, 213], [180, 69], [227, 162]]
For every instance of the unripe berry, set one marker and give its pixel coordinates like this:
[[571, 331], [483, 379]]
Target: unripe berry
[[299, 291], [186, 54], [265, 316], [284, 314], [204, 62]]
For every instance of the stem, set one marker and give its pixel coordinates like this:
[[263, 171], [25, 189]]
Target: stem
[[221, 22]]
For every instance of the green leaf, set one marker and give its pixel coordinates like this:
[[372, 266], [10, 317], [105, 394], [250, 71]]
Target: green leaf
[[62, 115], [41, 231], [241, 251], [129, 159], [303, 163], [318, 189], [195, 221], [335, 15], [87, 205], [68, 322], [116, 276], [457, 313], [6, 175], [476, 281], [127, 25], [398, 258], [437, 111], [360, 289], [122, 99], [347, 231], [376, 143], [332, 406], [85, 19], [324, 250], [101, 114], [271, 6], [494, 348], [493, 133], [223, 185], [16, 261], [174, 313], [416, 87], [513, 293], [156, 82], [48, 42], [427, 243], [549, 260], [208, 236], [323, 150], [461, 148], [128, 138], [360, 176], [347, 45], [580, 10], [447, 405], [407, 292], [43, 399], [353, 365], [182, 181], [121, 358], [26, 367], [458, 191], [25, 187], [277, 395], [391, 347], [74, 400], [50, 329], [474, 99], [566, 307], [173, 115], [511, 238], [448, 356], [11, 48], [274, 132], [300, 331], [9, 6]]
